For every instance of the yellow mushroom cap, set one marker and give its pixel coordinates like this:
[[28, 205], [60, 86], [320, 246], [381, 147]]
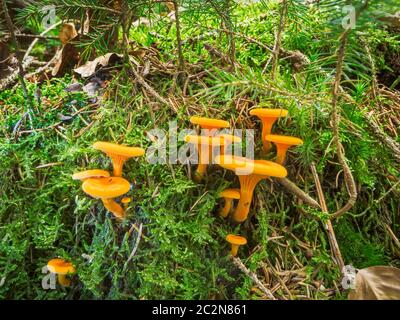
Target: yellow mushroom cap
[[125, 151], [205, 140], [260, 167], [126, 200], [236, 240], [106, 188], [230, 194], [209, 123], [60, 266], [286, 140], [96, 173], [268, 113]]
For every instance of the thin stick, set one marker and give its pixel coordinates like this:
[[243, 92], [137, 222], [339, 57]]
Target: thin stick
[[392, 235], [278, 39], [238, 263], [290, 186], [181, 59], [32, 45], [136, 244], [328, 225], [21, 71]]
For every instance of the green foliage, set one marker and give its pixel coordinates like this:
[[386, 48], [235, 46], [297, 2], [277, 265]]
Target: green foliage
[[358, 250], [181, 252]]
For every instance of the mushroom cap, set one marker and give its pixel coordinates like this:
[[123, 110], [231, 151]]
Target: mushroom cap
[[259, 167], [209, 123], [205, 140], [286, 140], [230, 138], [126, 200], [60, 266], [268, 113], [236, 240], [106, 188], [125, 151], [96, 173], [230, 194]]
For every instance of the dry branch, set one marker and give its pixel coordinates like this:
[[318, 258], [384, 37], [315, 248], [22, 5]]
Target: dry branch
[[238, 263]]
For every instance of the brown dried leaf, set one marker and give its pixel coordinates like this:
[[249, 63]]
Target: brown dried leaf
[[90, 68], [67, 33], [377, 283], [67, 58]]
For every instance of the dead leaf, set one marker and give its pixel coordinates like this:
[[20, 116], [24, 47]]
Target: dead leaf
[[67, 33], [90, 68], [91, 88], [74, 87], [377, 283], [66, 59]]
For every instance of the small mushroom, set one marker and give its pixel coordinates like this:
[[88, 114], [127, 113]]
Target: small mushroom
[[96, 173], [205, 145], [118, 154], [62, 268], [250, 173], [209, 124], [107, 189], [283, 143], [268, 117], [126, 201], [236, 242], [229, 195]]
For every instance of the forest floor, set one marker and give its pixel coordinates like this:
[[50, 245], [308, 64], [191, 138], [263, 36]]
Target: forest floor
[[172, 245]]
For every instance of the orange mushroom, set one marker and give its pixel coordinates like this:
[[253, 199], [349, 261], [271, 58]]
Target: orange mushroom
[[125, 201], [205, 145], [236, 242], [268, 117], [107, 189], [250, 173], [118, 154], [283, 143], [209, 124], [229, 195], [96, 173], [62, 268]]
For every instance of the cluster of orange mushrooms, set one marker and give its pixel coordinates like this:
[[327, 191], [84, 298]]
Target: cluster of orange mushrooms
[[101, 185], [250, 172]]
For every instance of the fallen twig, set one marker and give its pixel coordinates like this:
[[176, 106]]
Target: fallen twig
[[136, 244], [328, 224], [293, 188], [253, 277]]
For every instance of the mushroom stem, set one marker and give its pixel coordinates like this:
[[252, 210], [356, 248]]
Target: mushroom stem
[[63, 280], [227, 208], [200, 172], [266, 130], [205, 152], [247, 186], [118, 164], [281, 153], [234, 250], [114, 208]]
